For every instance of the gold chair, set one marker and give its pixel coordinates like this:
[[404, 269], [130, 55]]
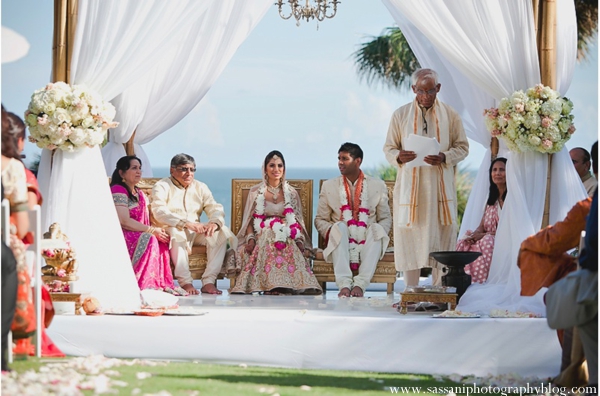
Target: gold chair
[[386, 269], [239, 194]]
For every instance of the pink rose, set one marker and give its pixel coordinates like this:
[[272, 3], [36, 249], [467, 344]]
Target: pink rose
[[546, 122], [354, 266], [547, 144], [280, 245], [519, 107], [572, 129]]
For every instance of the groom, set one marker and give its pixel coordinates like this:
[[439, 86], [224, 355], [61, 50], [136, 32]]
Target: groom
[[354, 218]]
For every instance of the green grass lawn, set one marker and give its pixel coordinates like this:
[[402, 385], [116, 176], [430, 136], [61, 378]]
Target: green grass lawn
[[188, 378]]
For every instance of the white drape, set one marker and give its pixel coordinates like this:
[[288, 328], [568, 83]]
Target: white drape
[[174, 86], [485, 50], [116, 43]]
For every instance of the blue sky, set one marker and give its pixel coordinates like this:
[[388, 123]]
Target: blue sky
[[289, 88]]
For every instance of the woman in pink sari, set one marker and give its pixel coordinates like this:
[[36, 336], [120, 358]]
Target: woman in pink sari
[[147, 245], [483, 238]]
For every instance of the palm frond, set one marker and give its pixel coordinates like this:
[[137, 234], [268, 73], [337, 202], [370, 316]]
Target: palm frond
[[386, 60], [587, 26]]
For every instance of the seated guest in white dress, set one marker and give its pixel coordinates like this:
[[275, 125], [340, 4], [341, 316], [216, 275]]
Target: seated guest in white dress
[[354, 217], [177, 204]]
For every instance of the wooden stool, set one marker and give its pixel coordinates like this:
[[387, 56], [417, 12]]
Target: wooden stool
[[405, 298]]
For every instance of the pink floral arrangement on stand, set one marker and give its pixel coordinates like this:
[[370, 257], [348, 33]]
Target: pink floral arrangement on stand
[[538, 119]]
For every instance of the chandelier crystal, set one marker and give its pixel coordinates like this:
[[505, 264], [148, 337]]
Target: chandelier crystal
[[320, 10]]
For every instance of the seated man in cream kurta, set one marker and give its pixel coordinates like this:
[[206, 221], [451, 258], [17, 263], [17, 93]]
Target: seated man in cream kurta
[[354, 218], [425, 196], [177, 203]]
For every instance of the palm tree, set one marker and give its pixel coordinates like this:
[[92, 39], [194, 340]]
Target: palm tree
[[389, 60]]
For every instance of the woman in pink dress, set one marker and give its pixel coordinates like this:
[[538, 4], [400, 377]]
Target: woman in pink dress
[[147, 245], [482, 239]]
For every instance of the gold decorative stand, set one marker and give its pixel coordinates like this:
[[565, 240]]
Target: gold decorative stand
[[405, 298], [68, 297], [63, 296]]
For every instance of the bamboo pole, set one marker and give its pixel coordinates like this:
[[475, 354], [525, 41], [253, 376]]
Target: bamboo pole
[[129, 149], [59, 41], [547, 57], [65, 23], [494, 147], [72, 9]]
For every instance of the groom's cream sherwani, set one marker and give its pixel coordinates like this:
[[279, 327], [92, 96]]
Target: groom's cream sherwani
[[328, 222]]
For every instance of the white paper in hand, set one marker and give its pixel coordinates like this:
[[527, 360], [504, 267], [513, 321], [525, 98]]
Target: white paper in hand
[[422, 146]]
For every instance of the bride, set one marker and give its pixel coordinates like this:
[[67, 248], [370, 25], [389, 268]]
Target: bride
[[273, 238]]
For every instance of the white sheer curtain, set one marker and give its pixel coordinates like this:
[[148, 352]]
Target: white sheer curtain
[[116, 42], [490, 46], [168, 92]]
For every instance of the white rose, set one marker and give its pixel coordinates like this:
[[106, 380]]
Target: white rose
[[88, 122], [61, 116], [534, 140], [78, 136]]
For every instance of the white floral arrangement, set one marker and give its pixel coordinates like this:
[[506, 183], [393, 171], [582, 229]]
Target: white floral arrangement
[[283, 230], [68, 117], [536, 120]]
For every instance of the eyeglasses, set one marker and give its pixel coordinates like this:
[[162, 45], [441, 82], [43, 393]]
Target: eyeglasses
[[429, 92], [184, 170]]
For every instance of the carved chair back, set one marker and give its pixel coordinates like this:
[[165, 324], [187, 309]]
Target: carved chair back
[[239, 194]]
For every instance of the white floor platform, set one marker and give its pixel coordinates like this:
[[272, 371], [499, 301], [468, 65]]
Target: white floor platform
[[321, 332]]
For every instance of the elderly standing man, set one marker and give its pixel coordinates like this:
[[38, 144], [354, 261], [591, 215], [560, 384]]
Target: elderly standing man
[[177, 203], [582, 164], [425, 207]]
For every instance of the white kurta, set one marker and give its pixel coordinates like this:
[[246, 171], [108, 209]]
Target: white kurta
[[328, 221], [419, 229]]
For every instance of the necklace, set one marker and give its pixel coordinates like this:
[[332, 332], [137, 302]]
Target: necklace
[[274, 190]]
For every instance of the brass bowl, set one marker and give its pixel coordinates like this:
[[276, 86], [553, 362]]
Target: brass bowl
[[455, 259]]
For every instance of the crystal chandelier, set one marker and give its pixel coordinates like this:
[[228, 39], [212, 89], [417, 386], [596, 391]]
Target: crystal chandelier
[[320, 10]]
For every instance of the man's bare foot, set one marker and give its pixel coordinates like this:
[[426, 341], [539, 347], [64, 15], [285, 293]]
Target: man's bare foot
[[345, 292], [190, 289], [356, 292], [210, 288]]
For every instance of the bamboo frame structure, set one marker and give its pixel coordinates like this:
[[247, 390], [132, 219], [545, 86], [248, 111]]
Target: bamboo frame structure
[[65, 23], [129, 149], [546, 35]]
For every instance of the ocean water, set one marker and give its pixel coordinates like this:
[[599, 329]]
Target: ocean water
[[219, 182]]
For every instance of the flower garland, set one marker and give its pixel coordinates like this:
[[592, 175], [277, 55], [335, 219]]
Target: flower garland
[[535, 120], [283, 230], [355, 216], [68, 117]]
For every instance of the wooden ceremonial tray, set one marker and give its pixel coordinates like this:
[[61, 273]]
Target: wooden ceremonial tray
[[408, 297]]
